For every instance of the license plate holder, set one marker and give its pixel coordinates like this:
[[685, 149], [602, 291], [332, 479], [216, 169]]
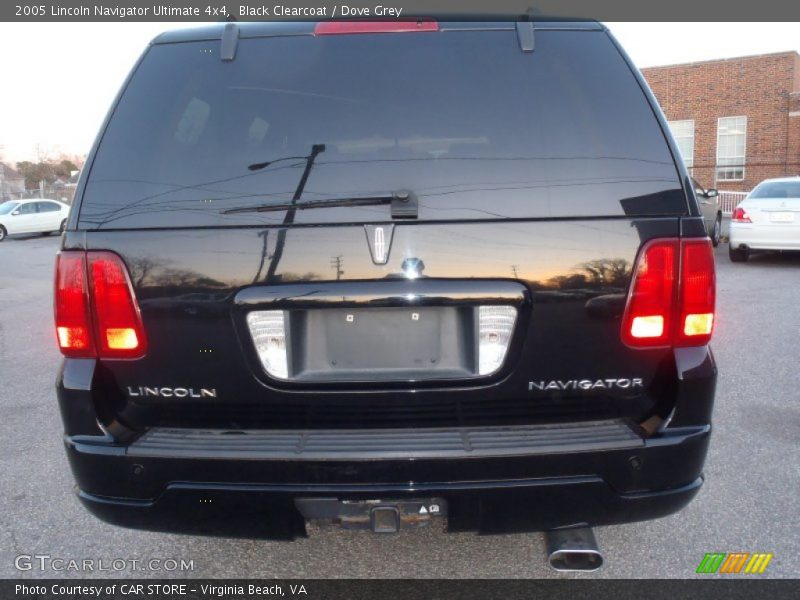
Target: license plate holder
[[384, 344]]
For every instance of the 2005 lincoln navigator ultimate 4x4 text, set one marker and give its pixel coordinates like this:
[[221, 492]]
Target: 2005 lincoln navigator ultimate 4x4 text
[[382, 273]]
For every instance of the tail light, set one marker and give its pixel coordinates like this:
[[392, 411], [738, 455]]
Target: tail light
[[697, 293], [73, 326], [118, 325], [96, 311], [268, 328], [397, 26], [740, 215], [671, 302], [648, 319], [495, 328]]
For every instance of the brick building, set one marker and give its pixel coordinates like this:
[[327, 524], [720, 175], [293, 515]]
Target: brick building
[[736, 121]]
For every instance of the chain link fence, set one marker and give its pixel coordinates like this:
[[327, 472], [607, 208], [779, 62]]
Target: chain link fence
[[62, 192]]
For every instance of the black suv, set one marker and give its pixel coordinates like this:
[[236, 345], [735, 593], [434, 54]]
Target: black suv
[[382, 273]]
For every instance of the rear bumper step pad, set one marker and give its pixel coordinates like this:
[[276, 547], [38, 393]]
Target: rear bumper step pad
[[464, 442]]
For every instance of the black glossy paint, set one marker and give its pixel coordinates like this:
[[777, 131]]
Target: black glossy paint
[[187, 283], [562, 253]]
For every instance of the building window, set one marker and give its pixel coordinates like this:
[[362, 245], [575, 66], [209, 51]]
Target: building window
[[731, 141], [683, 132]]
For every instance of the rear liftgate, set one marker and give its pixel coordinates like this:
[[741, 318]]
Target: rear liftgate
[[401, 331]]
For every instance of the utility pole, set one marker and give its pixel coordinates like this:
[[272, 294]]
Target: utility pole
[[336, 263], [263, 235]]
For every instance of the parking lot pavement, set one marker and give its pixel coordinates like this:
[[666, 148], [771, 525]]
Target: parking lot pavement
[[749, 501]]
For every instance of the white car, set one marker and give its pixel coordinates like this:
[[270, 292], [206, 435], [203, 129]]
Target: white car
[[767, 219], [40, 215]]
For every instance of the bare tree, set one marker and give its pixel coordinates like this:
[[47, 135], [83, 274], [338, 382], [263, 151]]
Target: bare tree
[[141, 268], [607, 271]]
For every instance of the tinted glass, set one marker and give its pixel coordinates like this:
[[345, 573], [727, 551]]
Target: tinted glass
[[27, 209], [777, 189], [7, 207], [476, 127]]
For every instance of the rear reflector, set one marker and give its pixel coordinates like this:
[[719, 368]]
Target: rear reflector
[[96, 310], [398, 26], [672, 297]]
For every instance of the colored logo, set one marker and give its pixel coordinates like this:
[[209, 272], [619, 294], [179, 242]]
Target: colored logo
[[735, 562]]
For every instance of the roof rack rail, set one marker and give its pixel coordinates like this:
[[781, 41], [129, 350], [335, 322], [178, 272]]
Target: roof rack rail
[[525, 29], [230, 39]]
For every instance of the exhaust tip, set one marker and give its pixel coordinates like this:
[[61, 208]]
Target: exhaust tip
[[573, 549], [576, 560]]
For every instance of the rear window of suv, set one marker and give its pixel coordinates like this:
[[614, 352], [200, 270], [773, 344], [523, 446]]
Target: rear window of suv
[[475, 127]]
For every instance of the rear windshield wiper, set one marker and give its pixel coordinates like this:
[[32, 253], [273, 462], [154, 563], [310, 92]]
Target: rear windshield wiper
[[404, 204]]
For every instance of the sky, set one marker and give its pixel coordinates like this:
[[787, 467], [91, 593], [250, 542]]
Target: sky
[[59, 79]]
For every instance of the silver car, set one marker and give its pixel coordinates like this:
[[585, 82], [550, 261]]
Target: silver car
[[767, 219], [709, 206]]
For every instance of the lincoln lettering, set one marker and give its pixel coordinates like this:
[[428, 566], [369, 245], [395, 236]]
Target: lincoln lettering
[[171, 392]]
